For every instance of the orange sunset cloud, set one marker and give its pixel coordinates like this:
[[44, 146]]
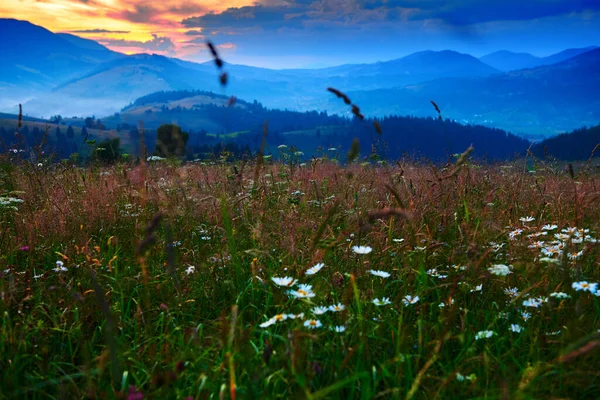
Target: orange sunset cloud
[[127, 26]]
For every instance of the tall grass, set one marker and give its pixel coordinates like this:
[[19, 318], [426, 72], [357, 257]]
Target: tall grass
[[168, 279]]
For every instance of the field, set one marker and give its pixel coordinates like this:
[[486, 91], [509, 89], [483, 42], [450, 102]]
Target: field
[[316, 281]]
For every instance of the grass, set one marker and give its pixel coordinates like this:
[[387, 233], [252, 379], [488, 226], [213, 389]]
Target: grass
[[168, 277]]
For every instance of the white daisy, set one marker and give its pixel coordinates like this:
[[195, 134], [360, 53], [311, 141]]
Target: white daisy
[[381, 274], [549, 227], [313, 323], [408, 299], [500, 270], [383, 302], [190, 269], [477, 288], [362, 249], [560, 295], [338, 329], [315, 269], [60, 267], [286, 281], [484, 335], [515, 328], [584, 285], [320, 310], [304, 291], [337, 307], [526, 219], [274, 320]]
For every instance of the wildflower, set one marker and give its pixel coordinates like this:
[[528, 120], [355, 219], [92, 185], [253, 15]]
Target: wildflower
[[534, 302], [294, 316], [60, 267], [537, 234], [320, 310], [460, 377], [383, 302], [526, 219], [575, 256], [190, 269], [549, 260], [512, 292], [583, 285], [500, 270], [408, 299], [484, 335], [337, 307], [525, 315], [313, 323], [361, 249], [339, 328], [315, 269], [282, 146], [536, 245], [549, 227], [562, 236], [287, 281], [397, 240], [274, 320], [381, 274], [513, 235], [515, 328], [303, 292], [477, 288], [560, 295]]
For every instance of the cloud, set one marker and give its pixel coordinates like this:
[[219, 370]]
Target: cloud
[[194, 33], [97, 31], [308, 14], [158, 43]]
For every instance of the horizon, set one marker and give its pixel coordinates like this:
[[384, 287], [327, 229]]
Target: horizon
[[281, 34]]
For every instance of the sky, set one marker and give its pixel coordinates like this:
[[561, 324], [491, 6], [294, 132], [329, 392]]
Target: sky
[[317, 33]]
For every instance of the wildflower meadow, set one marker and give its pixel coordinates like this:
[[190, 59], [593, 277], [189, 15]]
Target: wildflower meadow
[[283, 280]]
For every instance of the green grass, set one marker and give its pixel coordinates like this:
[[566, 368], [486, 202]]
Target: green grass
[[126, 318]]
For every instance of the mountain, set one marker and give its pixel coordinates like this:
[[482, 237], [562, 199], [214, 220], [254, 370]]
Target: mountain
[[34, 57], [548, 99], [509, 61]]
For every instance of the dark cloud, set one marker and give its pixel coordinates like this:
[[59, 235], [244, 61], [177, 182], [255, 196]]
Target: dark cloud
[[158, 43], [303, 14], [194, 33], [140, 14], [97, 31]]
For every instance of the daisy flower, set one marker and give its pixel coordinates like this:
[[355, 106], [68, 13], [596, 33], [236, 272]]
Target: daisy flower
[[320, 310], [583, 285], [362, 249], [315, 269], [575, 255], [515, 328], [526, 219], [304, 291], [484, 335], [383, 302], [274, 320], [337, 307], [313, 323], [408, 299], [560, 295], [381, 274], [338, 329], [190, 269], [549, 227], [512, 292], [477, 288], [534, 302], [286, 281], [60, 267], [500, 270]]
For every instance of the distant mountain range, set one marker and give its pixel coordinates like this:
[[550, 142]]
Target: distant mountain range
[[64, 74], [509, 61]]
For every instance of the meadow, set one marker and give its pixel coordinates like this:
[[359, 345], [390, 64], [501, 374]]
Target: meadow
[[287, 280]]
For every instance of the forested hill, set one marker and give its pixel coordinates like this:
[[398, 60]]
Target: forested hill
[[211, 117], [576, 145]]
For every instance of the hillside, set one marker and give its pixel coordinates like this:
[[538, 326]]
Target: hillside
[[572, 146], [544, 100]]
